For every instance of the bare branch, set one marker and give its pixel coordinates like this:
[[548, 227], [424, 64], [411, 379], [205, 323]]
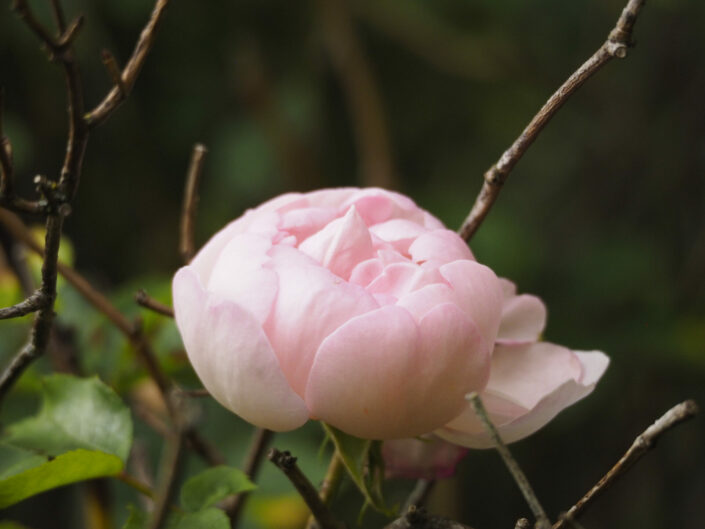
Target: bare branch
[[287, 464], [364, 101], [329, 486], [170, 469], [129, 74], [32, 304], [144, 300], [420, 494], [513, 467], [187, 248], [615, 46], [522, 523], [250, 467], [113, 71], [641, 445]]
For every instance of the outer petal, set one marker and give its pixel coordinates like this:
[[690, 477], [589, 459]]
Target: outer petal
[[531, 385], [304, 222], [238, 275], [380, 376], [523, 319], [478, 293], [399, 233], [399, 279], [312, 303], [425, 458], [233, 358]]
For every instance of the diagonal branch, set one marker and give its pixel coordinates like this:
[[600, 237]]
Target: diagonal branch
[[616, 45], [187, 247], [32, 304], [132, 69], [641, 445]]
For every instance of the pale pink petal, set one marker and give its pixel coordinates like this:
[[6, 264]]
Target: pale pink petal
[[283, 203], [233, 358], [442, 245], [342, 244], [378, 205], [423, 300], [432, 222], [509, 289], [478, 293], [523, 319], [332, 198], [366, 271], [380, 376], [532, 385], [427, 457], [312, 302], [302, 223], [399, 279], [400, 233], [239, 275]]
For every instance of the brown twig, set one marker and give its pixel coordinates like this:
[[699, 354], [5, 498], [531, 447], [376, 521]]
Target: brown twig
[[144, 300], [616, 45], [364, 101], [170, 469], [287, 464], [260, 440], [513, 467], [641, 445], [32, 304], [522, 523], [113, 71], [132, 69], [187, 248], [419, 495]]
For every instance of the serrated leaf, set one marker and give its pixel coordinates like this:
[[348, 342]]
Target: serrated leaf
[[75, 413], [359, 459], [212, 485], [206, 519], [77, 465]]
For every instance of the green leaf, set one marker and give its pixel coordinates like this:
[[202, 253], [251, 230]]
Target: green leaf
[[205, 519], [75, 413], [77, 465], [212, 485], [137, 518], [360, 458], [15, 460]]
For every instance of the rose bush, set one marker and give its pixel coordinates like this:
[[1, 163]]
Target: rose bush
[[351, 306]]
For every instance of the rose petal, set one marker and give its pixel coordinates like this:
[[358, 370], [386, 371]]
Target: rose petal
[[529, 385], [233, 358], [400, 233], [311, 303], [421, 458], [342, 244], [478, 293], [399, 279], [380, 376], [239, 275], [302, 223], [523, 319], [441, 245]]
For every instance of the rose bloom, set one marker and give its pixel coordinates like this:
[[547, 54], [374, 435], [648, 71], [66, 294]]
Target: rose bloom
[[359, 308]]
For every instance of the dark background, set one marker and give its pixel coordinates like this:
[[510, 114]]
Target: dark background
[[604, 218]]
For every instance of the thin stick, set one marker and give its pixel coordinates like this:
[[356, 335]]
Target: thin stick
[[132, 69], [364, 100], [641, 445], [616, 45], [144, 300], [287, 464], [187, 247], [329, 486], [513, 467], [170, 469], [522, 523], [260, 440], [419, 495], [136, 484]]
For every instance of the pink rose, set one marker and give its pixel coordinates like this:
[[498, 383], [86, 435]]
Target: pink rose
[[355, 307]]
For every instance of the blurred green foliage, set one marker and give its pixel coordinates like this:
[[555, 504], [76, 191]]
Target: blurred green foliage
[[604, 218]]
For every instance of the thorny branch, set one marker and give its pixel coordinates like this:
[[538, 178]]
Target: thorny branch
[[616, 45], [641, 445], [287, 464]]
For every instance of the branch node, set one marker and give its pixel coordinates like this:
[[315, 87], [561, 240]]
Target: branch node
[[67, 38], [114, 72]]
